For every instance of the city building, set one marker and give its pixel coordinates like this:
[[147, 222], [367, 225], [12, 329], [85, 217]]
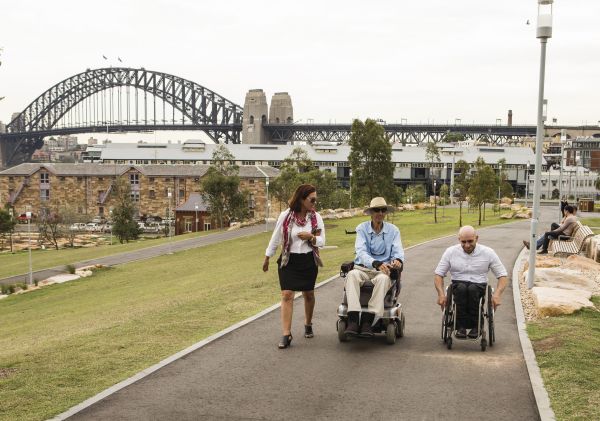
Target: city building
[[411, 165], [85, 188], [575, 182]]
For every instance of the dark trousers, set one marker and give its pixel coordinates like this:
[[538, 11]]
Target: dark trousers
[[544, 240], [466, 297]]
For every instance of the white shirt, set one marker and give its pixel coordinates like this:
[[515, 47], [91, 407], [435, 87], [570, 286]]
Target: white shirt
[[472, 267], [298, 245]]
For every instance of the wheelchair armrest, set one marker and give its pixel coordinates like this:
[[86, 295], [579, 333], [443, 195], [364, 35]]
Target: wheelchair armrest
[[345, 268]]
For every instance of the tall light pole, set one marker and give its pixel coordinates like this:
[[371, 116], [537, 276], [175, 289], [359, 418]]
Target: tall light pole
[[452, 180], [111, 224], [196, 207], [434, 201], [499, 183], [527, 184], [544, 31], [350, 186], [169, 195], [28, 215], [267, 205]]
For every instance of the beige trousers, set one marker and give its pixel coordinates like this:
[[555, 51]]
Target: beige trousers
[[356, 278]]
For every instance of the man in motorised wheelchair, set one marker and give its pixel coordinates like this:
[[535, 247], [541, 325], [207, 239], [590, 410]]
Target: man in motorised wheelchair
[[469, 264], [375, 271]]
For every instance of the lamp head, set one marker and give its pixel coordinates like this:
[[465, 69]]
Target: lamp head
[[544, 23]]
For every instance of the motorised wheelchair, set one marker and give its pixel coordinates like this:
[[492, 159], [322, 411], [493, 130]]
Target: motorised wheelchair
[[391, 323], [485, 320]]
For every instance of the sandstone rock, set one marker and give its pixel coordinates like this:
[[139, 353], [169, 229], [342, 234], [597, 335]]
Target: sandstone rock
[[507, 216], [505, 206], [562, 278], [543, 261], [555, 301], [523, 215], [581, 263], [409, 207], [339, 210], [83, 273], [59, 279], [345, 215]]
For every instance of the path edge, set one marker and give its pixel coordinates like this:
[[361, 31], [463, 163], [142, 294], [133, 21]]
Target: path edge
[[540, 393]]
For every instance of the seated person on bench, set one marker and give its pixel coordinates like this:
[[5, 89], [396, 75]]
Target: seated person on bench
[[565, 228], [468, 264], [378, 249]]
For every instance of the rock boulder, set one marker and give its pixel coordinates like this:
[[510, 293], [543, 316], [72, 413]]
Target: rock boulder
[[556, 301]]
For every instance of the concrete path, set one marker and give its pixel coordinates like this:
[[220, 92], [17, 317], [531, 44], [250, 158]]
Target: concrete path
[[243, 376], [141, 254]]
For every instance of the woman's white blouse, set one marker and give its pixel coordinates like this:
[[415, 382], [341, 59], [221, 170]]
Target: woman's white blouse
[[298, 245]]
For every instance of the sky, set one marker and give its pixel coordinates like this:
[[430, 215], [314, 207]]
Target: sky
[[426, 61]]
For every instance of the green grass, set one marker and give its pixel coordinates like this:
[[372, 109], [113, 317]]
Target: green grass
[[64, 343], [567, 350], [18, 263]]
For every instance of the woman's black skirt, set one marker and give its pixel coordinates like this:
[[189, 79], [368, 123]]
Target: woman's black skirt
[[299, 274]]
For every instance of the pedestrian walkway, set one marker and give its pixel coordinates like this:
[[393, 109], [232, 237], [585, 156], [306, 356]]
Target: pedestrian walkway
[[244, 376], [141, 254]]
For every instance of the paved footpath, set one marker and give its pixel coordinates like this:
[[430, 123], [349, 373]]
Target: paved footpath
[[243, 376], [141, 254]]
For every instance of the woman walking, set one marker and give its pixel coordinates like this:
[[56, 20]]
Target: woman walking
[[301, 232]]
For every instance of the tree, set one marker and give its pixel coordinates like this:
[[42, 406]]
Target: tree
[[125, 226], [224, 161], [444, 194], [462, 183], [453, 137], [371, 161], [50, 226], [597, 183], [289, 179], [7, 227], [223, 196], [432, 154], [299, 160], [415, 193], [483, 185]]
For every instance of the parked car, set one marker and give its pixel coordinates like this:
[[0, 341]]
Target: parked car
[[78, 226], [92, 227], [152, 228], [107, 227], [99, 220]]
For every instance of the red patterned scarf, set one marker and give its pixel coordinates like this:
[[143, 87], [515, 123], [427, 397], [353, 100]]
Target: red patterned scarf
[[292, 218]]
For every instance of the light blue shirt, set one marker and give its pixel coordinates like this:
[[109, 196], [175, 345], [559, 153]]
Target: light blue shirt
[[384, 246]]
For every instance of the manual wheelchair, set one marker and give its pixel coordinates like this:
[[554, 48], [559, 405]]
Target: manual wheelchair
[[391, 323], [485, 320]]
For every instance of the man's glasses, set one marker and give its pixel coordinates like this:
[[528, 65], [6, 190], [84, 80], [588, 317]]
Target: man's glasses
[[382, 210]]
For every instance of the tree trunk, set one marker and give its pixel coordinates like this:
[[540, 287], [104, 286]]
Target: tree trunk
[[483, 212], [459, 213], [479, 207]]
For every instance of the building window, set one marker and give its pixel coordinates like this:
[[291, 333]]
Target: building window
[[44, 178], [152, 194], [79, 178], [182, 194], [100, 178], [553, 183], [134, 179], [152, 179], [135, 196], [167, 180], [251, 181], [10, 179], [62, 179], [45, 194], [101, 210]]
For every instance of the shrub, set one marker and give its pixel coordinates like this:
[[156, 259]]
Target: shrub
[[4, 289], [36, 282], [11, 289], [71, 269]]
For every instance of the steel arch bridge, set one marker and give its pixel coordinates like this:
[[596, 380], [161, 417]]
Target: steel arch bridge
[[118, 99]]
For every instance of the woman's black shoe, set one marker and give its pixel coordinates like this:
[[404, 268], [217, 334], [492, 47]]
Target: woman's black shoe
[[286, 340], [308, 332]]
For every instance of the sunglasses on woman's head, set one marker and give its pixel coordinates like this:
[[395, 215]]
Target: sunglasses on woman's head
[[382, 210]]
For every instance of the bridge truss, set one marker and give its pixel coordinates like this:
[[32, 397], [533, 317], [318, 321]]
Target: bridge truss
[[121, 99]]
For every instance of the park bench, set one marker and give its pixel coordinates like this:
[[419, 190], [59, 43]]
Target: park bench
[[571, 245]]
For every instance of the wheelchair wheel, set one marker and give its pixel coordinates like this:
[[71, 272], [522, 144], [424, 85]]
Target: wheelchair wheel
[[341, 330], [483, 344], [390, 333], [448, 319], [400, 326], [449, 342], [490, 317]]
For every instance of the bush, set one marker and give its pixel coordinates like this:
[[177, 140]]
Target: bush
[[4, 289], [36, 282], [11, 289]]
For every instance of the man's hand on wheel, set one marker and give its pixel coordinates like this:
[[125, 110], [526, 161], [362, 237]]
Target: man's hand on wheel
[[397, 264]]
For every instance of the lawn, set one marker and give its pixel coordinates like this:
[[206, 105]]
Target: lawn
[[594, 223], [18, 263], [567, 350], [63, 344]]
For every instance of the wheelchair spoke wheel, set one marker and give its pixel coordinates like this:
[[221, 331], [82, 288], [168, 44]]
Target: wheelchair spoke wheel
[[341, 330], [449, 342], [490, 317], [483, 344]]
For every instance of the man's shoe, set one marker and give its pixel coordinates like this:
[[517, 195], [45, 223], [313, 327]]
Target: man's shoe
[[461, 333], [526, 244], [543, 252], [473, 333], [352, 328], [366, 330]]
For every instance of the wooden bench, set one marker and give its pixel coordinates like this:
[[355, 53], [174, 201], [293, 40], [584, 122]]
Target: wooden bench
[[575, 244]]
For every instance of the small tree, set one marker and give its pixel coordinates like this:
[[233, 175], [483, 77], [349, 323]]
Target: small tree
[[454, 137], [371, 162], [483, 185], [125, 226], [224, 161], [444, 194], [223, 196], [462, 183], [7, 227], [50, 227]]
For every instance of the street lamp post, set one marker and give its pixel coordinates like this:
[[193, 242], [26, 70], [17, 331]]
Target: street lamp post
[[499, 183], [111, 224], [544, 31], [267, 206], [196, 207], [28, 214], [434, 201], [527, 184], [169, 217], [350, 186]]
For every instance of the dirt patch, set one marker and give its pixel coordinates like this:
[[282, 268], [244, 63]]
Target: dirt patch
[[5, 373], [547, 344]]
